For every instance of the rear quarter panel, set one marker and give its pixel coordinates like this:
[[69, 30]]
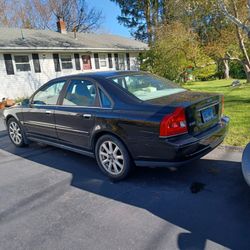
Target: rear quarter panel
[[138, 128]]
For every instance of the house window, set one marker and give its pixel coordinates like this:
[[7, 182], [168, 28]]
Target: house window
[[103, 60], [66, 61], [22, 63], [8, 64]]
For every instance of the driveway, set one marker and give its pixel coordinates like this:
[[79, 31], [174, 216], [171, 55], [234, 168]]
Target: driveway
[[54, 199]]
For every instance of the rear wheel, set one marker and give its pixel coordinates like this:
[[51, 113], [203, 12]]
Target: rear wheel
[[16, 133], [112, 157]]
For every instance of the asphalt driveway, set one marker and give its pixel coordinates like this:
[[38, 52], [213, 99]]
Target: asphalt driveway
[[54, 199]]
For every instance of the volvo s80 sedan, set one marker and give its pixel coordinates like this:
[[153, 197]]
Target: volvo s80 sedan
[[123, 119]]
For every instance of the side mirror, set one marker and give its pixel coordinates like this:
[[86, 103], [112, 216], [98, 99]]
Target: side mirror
[[25, 102]]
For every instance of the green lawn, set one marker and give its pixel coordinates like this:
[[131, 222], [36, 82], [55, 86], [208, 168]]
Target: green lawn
[[237, 107]]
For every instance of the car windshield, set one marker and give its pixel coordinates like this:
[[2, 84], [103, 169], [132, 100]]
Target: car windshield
[[146, 86]]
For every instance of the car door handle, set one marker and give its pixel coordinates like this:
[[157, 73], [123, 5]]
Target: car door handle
[[48, 112], [87, 116]]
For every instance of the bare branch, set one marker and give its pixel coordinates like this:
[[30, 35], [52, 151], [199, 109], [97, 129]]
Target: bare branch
[[233, 18], [43, 14]]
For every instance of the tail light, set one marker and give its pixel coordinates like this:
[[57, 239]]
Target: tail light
[[222, 104], [174, 123]]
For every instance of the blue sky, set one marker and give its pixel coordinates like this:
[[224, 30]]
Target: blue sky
[[110, 11]]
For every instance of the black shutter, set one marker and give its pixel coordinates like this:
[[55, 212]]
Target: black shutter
[[8, 64], [110, 61], [77, 61], [56, 62], [116, 62], [97, 65], [36, 63], [128, 61]]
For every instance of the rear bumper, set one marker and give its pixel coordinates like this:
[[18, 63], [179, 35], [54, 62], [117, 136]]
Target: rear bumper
[[184, 149]]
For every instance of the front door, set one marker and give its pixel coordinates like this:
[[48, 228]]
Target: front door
[[38, 118], [75, 118], [86, 60]]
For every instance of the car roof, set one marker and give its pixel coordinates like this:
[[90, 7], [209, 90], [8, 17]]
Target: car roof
[[103, 74]]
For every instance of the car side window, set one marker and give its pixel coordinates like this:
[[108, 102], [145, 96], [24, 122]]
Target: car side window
[[80, 93], [49, 94], [106, 103]]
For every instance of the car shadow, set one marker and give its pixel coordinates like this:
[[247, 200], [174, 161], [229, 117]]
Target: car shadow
[[219, 210]]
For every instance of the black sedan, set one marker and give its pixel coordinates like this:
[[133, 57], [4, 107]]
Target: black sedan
[[123, 119]]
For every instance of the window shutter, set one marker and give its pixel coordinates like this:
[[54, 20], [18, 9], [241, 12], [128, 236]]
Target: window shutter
[[56, 62], [8, 64], [36, 63], [116, 62], [77, 61], [128, 61], [110, 61], [97, 65]]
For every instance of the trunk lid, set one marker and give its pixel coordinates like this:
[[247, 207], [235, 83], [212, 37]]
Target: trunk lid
[[203, 110]]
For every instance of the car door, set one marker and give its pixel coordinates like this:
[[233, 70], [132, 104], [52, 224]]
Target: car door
[[38, 118], [75, 118]]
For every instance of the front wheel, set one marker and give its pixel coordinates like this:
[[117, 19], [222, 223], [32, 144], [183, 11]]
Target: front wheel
[[16, 133], [112, 157]]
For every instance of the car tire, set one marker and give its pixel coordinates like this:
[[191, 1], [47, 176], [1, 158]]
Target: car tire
[[113, 158], [16, 133]]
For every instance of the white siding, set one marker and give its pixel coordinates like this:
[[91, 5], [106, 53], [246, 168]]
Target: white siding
[[23, 84]]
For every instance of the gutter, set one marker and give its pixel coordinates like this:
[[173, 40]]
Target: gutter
[[4, 49]]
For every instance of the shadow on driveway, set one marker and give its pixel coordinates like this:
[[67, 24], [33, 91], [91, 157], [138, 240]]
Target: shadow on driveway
[[220, 212]]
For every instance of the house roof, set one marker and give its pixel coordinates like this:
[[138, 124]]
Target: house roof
[[31, 39]]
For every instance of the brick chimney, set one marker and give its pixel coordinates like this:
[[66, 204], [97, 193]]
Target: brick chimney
[[61, 26]]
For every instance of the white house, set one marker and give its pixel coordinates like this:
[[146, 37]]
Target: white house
[[30, 58]]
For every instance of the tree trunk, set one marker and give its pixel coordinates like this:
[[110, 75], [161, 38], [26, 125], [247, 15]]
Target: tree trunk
[[247, 71], [155, 14], [147, 9], [226, 69], [246, 60]]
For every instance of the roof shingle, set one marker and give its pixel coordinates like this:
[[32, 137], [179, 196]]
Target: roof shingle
[[14, 38]]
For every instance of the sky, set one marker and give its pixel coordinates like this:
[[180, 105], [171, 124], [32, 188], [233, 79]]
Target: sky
[[110, 12]]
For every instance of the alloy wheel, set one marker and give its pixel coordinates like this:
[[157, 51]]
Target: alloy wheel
[[15, 133], [111, 157]]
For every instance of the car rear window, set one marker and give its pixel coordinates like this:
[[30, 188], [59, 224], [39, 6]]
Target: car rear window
[[147, 87]]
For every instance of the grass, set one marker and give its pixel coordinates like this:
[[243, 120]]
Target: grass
[[237, 107]]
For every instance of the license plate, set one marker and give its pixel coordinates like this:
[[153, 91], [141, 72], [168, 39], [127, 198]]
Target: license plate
[[207, 114]]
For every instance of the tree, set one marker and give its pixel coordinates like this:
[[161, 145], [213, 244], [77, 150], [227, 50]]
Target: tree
[[76, 15], [234, 17], [237, 11], [144, 17], [175, 49], [43, 14], [3, 7], [223, 49], [137, 16]]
